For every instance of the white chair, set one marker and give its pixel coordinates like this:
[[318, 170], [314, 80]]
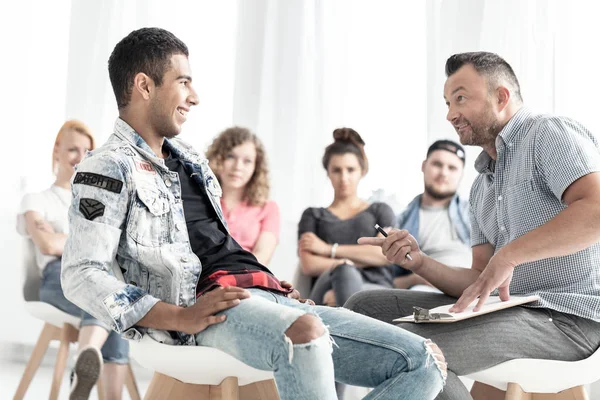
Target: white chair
[[200, 373], [302, 283], [533, 379], [58, 326]]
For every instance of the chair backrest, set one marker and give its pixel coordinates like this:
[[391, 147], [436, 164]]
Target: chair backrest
[[31, 272], [301, 282]]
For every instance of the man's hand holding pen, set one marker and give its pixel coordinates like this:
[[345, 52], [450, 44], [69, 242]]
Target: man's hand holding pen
[[396, 248]]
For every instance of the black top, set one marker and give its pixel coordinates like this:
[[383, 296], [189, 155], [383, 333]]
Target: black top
[[209, 239], [331, 229]]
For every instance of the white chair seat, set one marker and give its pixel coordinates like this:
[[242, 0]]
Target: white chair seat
[[50, 314], [541, 376], [194, 364]]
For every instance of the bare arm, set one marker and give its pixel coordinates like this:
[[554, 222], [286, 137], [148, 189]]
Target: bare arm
[[408, 281], [265, 247], [43, 235], [314, 265], [362, 255], [359, 254], [450, 280], [454, 280], [573, 229]]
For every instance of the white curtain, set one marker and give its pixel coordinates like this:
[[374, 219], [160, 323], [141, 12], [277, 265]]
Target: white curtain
[[34, 70], [304, 68]]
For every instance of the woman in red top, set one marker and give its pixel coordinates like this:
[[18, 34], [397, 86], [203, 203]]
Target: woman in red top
[[237, 156]]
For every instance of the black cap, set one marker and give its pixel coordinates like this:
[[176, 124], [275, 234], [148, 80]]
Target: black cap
[[447, 145]]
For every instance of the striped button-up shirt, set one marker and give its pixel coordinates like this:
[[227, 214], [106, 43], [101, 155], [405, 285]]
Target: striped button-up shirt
[[538, 158]]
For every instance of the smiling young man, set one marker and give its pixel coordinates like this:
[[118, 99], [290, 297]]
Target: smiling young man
[[146, 206], [535, 229]]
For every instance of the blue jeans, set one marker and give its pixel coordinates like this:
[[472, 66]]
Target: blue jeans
[[355, 349], [115, 349]]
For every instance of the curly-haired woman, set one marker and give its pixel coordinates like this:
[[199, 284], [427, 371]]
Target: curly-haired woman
[[237, 156]]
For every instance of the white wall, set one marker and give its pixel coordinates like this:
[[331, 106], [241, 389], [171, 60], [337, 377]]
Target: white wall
[[32, 104]]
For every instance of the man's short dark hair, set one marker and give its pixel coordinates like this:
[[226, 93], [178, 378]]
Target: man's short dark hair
[[447, 145], [490, 65], [147, 50]]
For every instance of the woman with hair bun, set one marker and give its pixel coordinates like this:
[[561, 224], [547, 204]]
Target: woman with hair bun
[[327, 235]]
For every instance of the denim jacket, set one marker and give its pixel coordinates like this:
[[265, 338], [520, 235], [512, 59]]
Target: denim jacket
[[459, 216], [128, 246]]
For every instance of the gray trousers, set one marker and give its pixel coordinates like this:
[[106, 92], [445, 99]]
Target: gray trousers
[[479, 343], [345, 280]]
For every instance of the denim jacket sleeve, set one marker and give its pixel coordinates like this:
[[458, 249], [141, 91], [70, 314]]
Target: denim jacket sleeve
[[98, 213]]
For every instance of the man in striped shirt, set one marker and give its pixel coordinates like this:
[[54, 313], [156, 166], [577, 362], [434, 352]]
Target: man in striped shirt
[[535, 222]]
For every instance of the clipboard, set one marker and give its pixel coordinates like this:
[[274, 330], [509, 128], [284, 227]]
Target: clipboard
[[442, 315]]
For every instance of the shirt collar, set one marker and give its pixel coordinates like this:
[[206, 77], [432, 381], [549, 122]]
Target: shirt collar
[[125, 131], [484, 164], [177, 147], [510, 134], [514, 128]]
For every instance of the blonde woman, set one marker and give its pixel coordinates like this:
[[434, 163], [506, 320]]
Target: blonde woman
[[44, 219], [237, 156]]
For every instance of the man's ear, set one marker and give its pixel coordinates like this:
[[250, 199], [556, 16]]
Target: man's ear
[[423, 166], [503, 97], [143, 85]]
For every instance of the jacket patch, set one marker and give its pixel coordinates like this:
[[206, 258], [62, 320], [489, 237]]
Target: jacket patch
[[99, 181], [91, 208], [144, 166]]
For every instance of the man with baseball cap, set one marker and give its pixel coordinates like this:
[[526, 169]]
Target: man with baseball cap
[[438, 218]]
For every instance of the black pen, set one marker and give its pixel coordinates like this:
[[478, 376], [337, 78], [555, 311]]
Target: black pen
[[384, 233]]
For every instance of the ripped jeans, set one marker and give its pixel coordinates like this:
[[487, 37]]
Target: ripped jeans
[[355, 350]]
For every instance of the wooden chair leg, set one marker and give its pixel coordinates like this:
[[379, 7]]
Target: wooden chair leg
[[481, 391], [164, 387], [579, 393], [227, 390], [49, 333], [515, 392], [131, 384], [263, 390], [66, 335]]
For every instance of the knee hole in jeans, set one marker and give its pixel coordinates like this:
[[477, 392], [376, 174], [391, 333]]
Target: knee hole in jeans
[[434, 352], [305, 329]]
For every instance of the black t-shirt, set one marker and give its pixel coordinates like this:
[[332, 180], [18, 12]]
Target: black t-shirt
[[331, 229], [209, 239]]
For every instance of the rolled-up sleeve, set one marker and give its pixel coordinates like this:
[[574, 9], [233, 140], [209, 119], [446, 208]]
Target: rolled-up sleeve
[[97, 219], [565, 151]]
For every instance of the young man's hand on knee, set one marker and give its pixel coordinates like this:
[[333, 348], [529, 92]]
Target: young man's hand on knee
[[201, 315]]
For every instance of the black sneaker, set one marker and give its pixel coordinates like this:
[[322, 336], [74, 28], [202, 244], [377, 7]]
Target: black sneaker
[[86, 373]]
